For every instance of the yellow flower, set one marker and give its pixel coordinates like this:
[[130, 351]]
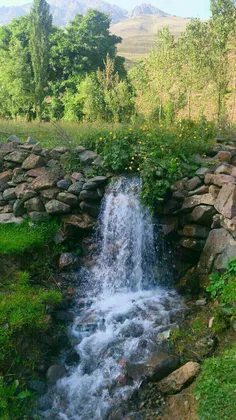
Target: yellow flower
[[130, 129], [144, 157], [111, 133], [132, 158], [195, 137], [100, 138], [138, 169], [130, 168], [114, 137], [180, 135], [139, 142]]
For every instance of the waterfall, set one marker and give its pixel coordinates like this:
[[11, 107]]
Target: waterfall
[[123, 310]]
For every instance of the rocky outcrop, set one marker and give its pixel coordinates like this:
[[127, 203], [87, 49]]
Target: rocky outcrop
[[205, 207], [34, 183]]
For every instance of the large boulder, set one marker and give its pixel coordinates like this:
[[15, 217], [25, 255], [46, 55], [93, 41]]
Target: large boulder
[[91, 195], [33, 162], [202, 215], [68, 198], [34, 204], [155, 368], [57, 207], [10, 218], [17, 156], [226, 201], [9, 194], [178, 379], [197, 200], [220, 247], [46, 181], [87, 157]]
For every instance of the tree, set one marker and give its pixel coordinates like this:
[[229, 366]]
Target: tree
[[222, 27], [40, 30]]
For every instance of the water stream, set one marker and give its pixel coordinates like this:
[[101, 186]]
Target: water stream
[[123, 310]]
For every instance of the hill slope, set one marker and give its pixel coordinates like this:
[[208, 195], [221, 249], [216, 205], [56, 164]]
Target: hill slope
[[139, 33]]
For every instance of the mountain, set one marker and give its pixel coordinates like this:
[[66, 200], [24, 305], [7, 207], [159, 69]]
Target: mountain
[[65, 10], [139, 33], [138, 28]]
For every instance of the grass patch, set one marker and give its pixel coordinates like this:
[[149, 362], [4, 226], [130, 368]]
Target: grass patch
[[15, 239], [215, 388]]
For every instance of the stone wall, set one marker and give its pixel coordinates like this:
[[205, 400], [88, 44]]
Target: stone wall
[[202, 211], [34, 183]]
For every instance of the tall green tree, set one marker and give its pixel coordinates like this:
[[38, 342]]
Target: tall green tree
[[40, 30]]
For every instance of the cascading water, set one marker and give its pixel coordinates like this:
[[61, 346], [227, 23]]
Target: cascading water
[[123, 310]]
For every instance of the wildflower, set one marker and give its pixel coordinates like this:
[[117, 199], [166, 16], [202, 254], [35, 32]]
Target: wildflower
[[100, 138], [180, 135], [144, 157], [139, 142], [130, 168], [206, 129], [130, 129], [138, 169], [132, 158], [114, 137], [111, 133], [195, 137]]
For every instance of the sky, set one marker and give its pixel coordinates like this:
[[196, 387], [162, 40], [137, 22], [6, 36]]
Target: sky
[[185, 8]]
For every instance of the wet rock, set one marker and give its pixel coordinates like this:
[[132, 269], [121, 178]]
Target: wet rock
[[132, 330], [33, 162], [68, 198], [17, 156], [226, 201], [203, 215], [34, 204], [54, 373], [95, 183], [79, 221], [177, 380], [90, 209], [170, 206], [38, 386], [196, 231], [156, 368], [64, 184], [68, 260], [76, 188], [72, 358], [193, 183], [169, 225], [219, 180], [89, 195], [57, 207], [64, 316]]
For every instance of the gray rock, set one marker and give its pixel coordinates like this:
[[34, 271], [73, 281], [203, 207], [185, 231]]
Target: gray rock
[[201, 172], [87, 157], [50, 193], [64, 184], [9, 194], [18, 208], [68, 260], [197, 200], [31, 141], [37, 148], [87, 195], [199, 191], [38, 386], [54, 373], [201, 302], [46, 181], [68, 198], [156, 368], [34, 204], [77, 176], [76, 188], [226, 201], [33, 162], [5, 177], [219, 180], [90, 209], [10, 218], [214, 191], [193, 183], [57, 207], [224, 169], [14, 139], [177, 380], [17, 156], [95, 183], [39, 216], [193, 244], [64, 316], [203, 215]]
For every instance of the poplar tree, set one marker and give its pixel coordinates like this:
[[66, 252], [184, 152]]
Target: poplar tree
[[40, 30]]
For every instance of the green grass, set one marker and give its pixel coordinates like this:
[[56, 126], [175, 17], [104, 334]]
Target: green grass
[[16, 239], [216, 386]]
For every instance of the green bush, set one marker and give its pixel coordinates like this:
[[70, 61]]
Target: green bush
[[223, 289], [19, 238], [215, 388]]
